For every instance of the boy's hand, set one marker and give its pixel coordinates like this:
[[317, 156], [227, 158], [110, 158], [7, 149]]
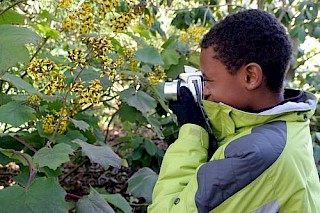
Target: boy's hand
[[186, 109]]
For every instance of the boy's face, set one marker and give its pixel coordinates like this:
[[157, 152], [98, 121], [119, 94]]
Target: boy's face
[[220, 85]]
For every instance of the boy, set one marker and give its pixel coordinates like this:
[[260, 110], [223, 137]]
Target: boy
[[264, 162]]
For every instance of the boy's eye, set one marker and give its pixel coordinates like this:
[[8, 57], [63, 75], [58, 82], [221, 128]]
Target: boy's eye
[[207, 80]]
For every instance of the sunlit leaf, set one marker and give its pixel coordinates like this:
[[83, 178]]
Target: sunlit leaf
[[93, 203], [142, 182], [43, 195], [15, 114], [102, 155], [53, 157], [47, 30]]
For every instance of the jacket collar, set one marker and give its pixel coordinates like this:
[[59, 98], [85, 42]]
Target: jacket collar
[[227, 121]]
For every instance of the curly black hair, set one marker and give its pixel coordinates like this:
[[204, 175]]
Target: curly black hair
[[252, 36]]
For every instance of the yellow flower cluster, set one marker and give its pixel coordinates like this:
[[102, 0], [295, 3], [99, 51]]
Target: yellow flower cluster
[[34, 100], [157, 75], [91, 94], [65, 3], [193, 34], [100, 46], [106, 6], [51, 120], [77, 87], [55, 83], [196, 33], [148, 20], [47, 74], [70, 22], [78, 57], [49, 123], [39, 69], [129, 53], [122, 21], [184, 37], [110, 66], [87, 95], [86, 18]]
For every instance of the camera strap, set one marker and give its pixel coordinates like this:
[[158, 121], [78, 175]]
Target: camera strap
[[213, 143]]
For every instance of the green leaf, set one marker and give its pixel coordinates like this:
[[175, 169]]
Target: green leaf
[[316, 32], [14, 155], [11, 17], [47, 30], [93, 203], [43, 195], [149, 55], [4, 99], [140, 100], [150, 147], [299, 32], [194, 59], [69, 137], [175, 70], [50, 172], [12, 45], [19, 83], [8, 142], [23, 176], [82, 125], [118, 201], [170, 57], [16, 114], [4, 160], [142, 182], [102, 155], [156, 125], [135, 115], [53, 157]]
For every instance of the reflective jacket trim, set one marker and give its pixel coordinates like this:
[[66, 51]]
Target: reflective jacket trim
[[245, 159]]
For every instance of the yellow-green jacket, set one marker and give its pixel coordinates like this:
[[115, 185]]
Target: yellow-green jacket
[[264, 163]]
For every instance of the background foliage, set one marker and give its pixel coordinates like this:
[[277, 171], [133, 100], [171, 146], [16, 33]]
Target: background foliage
[[81, 88]]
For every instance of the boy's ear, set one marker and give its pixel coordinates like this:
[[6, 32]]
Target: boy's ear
[[253, 76]]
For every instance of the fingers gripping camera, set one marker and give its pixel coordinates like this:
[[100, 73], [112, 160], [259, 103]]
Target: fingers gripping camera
[[183, 108], [192, 79]]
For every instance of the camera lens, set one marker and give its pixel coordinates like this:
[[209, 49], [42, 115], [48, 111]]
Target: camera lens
[[170, 90]]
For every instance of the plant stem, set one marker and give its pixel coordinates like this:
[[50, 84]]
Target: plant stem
[[64, 105], [32, 170], [73, 196], [23, 142], [111, 119], [11, 6]]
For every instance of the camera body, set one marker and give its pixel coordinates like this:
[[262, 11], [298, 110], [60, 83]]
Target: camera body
[[191, 78]]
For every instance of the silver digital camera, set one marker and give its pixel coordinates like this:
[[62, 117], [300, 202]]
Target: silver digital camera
[[191, 78]]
